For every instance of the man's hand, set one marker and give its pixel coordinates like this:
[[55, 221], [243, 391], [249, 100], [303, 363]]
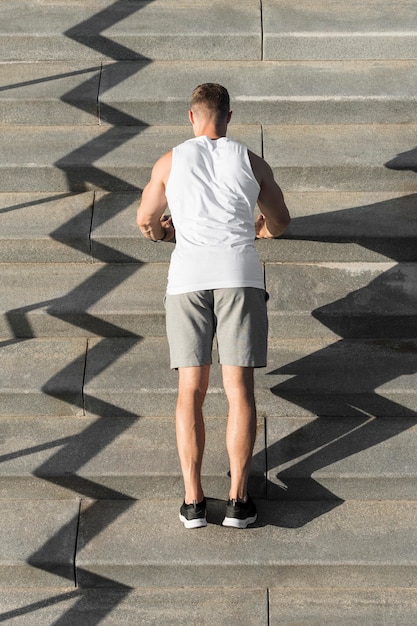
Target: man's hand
[[168, 226], [261, 230]]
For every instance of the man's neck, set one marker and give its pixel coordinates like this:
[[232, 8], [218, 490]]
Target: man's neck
[[210, 131], [208, 125], [212, 136]]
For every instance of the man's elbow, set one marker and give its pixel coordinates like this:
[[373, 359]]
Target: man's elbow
[[278, 228], [285, 220]]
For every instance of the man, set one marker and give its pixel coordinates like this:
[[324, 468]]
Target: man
[[215, 286]]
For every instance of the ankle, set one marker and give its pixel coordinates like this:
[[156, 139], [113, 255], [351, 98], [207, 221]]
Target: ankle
[[194, 500], [238, 498]]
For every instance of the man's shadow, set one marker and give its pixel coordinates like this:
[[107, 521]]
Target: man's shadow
[[338, 384]]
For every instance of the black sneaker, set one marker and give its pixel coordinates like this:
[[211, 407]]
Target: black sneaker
[[193, 515], [240, 514]]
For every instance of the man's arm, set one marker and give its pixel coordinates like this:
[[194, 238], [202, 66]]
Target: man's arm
[[150, 217], [274, 218]]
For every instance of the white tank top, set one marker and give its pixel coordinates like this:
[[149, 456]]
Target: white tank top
[[211, 193]]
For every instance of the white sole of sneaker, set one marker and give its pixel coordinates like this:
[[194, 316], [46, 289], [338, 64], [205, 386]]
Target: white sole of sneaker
[[233, 522], [193, 523]]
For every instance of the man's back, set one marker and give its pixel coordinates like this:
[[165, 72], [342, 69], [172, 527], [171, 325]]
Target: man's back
[[211, 193]]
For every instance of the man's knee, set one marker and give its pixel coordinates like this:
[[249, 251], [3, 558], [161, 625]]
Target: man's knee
[[238, 382], [193, 382]]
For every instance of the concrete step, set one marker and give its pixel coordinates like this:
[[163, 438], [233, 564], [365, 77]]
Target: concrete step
[[351, 300], [250, 607], [49, 93], [151, 607], [45, 227], [60, 299], [344, 378], [339, 226], [69, 158], [325, 227], [292, 546], [134, 458], [356, 300], [43, 376], [130, 376], [108, 458], [339, 30], [37, 543], [126, 543], [346, 459], [102, 29], [263, 92], [317, 158], [345, 158]]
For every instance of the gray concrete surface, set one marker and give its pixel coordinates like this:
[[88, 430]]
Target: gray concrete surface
[[57, 299], [347, 227], [142, 607], [115, 235], [49, 93], [355, 300], [303, 377], [102, 29], [332, 458], [304, 158], [164, 30], [263, 92], [359, 300], [257, 607], [347, 158], [292, 545], [308, 459], [51, 457], [37, 543], [131, 376], [345, 607], [340, 30], [343, 378], [78, 159], [45, 227], [306, 300], [42, 376], [326, 226]]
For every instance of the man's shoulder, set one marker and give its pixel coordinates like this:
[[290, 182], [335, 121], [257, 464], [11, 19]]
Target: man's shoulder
[[162, 167], [164, 160], [187, 142]]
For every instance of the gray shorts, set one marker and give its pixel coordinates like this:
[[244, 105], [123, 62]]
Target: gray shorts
[[236, 316]]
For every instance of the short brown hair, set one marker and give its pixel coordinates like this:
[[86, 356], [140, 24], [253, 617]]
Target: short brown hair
[[213, 97]]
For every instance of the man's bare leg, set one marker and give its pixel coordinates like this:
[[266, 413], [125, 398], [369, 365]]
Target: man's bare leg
[[238, 384], [192, 388]]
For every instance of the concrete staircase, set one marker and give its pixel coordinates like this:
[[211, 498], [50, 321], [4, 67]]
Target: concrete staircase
[[91, 94]]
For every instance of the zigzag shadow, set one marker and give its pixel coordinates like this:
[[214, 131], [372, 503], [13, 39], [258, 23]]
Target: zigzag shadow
[[338, 384], [387, 227], [79, 449], [404, 161]]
